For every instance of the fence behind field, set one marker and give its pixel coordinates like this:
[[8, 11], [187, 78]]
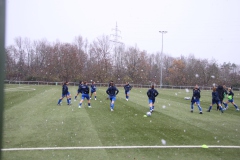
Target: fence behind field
[[106, 85]]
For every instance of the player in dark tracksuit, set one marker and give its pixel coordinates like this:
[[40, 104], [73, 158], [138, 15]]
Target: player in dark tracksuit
[[112, 91], [93, 90], [151, 93], [196, 99], [85, 94], [127, 89], [221, 93], [79, 89], [110, 83], [215, 100], [65, 93]]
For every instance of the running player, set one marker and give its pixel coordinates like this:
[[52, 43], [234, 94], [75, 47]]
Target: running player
[[196, 99], [112, 91], [85, 94], [93, 90], [230, 99], [127, 89], [215, 100], [108, 87], [65, 93], [152, 93], [221, 89], [79, 89]]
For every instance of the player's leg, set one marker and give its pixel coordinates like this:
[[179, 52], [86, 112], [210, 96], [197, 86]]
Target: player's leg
[[112, 102], [75, 98], [80, 103], [60, 100], [199, 106], [210, 107], [95, 95], [69, 98], [150, 102], [153, 102], [235, 106], [226, 104], [220, 106], [89, 103], [191, 106]]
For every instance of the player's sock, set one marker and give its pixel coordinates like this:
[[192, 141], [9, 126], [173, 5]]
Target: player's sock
[[225, 104], [112, 105], [75, 97], [199, 108], [235, 106], [150, 108], [59, 101], [191, 107], [210, 108], [67, 100]]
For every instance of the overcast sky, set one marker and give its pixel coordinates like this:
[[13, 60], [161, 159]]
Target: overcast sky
[[208, 29]]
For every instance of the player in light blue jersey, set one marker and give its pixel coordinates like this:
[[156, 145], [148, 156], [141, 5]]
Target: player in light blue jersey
[[112, 91], [85, 94], [93, 90], [127, 89]]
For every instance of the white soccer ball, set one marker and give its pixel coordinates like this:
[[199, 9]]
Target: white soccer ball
[[149, 114]]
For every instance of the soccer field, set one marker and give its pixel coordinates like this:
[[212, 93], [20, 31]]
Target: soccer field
[[36, 128]]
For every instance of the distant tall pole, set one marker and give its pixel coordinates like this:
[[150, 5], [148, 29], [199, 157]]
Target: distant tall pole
[[163, 32], [117, 43]]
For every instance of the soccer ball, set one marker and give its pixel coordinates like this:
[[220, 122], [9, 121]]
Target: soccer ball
[[149, 114]]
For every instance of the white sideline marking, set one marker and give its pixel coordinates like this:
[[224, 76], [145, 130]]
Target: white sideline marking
[[108, 147], [19, 89]]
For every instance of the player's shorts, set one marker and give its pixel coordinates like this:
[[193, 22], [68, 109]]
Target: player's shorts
[[92, 91], [151, 101], [68, 94], [215, 102], [127, 92], [78, 91], [197, 101], [230, 100], [112, 98], [64, 95], [85, 96]]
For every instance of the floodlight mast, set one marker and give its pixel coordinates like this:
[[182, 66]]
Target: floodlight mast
[[163, 32]]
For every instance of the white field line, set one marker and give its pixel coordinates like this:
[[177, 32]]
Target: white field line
[[109, 147], [19, 89]]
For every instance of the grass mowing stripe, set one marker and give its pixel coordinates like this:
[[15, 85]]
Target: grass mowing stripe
[[111, 147], [52, 117]]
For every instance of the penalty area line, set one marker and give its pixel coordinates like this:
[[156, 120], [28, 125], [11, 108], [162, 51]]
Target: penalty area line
[[109, 147]]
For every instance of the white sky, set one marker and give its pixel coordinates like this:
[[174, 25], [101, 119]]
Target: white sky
[[208, 29]]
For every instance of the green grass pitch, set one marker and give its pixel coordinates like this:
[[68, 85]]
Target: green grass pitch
[[32, 120]]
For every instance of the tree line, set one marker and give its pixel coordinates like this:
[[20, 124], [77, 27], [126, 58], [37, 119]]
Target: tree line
[[103, 60]]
